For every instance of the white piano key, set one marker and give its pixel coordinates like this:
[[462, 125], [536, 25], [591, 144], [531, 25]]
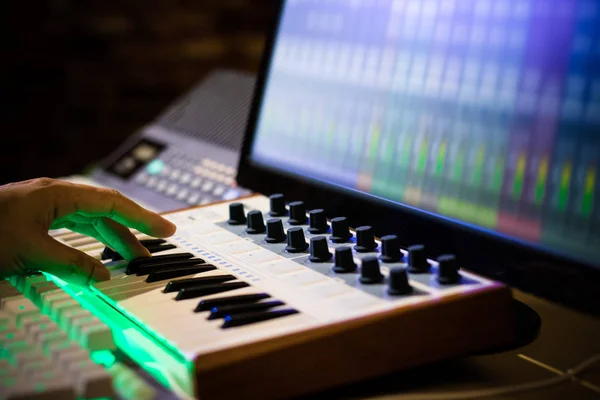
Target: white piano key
[[59, 232], [214, 338], [183, 328], [82, 241], [156, 297], [133, 282], [96, 245], [68, 236]]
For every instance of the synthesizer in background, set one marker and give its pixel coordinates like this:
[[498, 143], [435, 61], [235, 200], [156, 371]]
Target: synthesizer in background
[[257, 290], [188, 155]]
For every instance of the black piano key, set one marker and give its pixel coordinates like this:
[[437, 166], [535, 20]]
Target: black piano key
[[171, 273], [110, 254], [152, 242], [250, 318], [160, 247], [207, 305], [205, 290], [147, 269], [176, 286], [135, 264], [232, 309], [153, 246]]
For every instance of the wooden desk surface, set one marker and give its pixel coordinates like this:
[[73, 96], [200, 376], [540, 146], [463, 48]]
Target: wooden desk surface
[[566, 339]]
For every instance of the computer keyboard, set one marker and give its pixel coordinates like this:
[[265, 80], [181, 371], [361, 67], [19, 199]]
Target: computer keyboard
[[50, 344], [232, 300]]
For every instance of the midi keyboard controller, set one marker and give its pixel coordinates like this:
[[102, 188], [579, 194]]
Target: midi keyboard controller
[[260, 298]]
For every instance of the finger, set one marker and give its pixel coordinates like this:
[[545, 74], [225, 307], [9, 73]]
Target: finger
[[81, 225], [98, 202], [109, 232], [67, 263], [120, 239]]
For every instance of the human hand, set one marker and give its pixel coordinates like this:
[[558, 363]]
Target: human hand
[[29, 209]]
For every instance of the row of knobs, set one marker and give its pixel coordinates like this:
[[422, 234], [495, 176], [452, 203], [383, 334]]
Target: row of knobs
[[340, 233]]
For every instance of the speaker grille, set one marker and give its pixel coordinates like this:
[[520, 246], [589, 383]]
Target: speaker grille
[[215, 110]]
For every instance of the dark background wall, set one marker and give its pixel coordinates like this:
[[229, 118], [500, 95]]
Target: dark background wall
[[78, 77]]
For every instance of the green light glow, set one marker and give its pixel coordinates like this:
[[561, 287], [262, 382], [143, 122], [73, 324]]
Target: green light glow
[[422, 157], [519, 177], [458, 167], [478, 170], [103, 357], [154, 354], [439, 170]]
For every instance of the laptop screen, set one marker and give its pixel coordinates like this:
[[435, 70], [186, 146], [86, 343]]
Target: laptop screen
[[482, 112]]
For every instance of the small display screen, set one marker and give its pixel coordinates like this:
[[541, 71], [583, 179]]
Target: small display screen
[[483, 112], [136, 158]]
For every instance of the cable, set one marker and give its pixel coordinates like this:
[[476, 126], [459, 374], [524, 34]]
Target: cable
[[523, 387]]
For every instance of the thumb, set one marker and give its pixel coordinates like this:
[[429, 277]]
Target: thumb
[[68, 264]]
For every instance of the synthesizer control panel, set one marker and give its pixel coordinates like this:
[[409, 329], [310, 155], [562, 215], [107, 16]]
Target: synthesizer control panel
[[259, 289], [188, 155]]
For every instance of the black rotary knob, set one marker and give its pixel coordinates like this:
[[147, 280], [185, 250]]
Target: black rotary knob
[[275, 233], [390, 249], [340, 231], [319, 251], [365, 242], [236, 214], [297, 213], [448, 270], [369, 270], [318, 221], [296, 243], [256, 224], [399, 282], [344, 260], [417, 260], [277, 203]]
